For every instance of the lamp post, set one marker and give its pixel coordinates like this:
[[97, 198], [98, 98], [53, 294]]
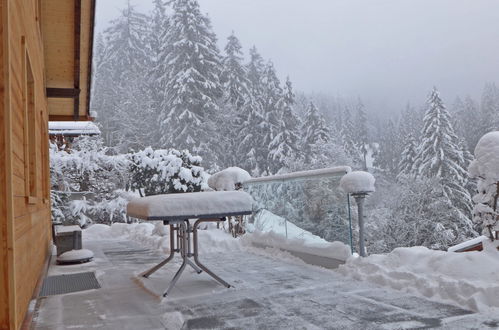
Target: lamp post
[[360, 197], [359, 184]]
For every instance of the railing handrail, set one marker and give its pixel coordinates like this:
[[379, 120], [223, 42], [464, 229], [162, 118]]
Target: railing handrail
[[323, 172]]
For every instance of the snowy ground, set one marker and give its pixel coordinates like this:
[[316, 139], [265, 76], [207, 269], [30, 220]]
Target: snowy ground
[[272, 290]]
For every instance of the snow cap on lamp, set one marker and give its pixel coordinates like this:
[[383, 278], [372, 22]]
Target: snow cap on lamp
[[358, 182]]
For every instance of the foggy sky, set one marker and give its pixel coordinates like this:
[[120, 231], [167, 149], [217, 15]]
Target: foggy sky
[[388, 52]]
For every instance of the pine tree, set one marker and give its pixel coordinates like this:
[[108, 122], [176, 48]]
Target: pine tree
[[314, 132], [440, 156], [388, 155], [408, 156], [490, 109], [234, 76], [348, 136], [284, 146], [361, 133], [158, 51], [251, 150], [255, 68], [126, 118], [193, 87], [272, 107]]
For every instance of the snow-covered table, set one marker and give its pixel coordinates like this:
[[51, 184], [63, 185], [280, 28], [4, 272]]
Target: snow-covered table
[[178, 210]]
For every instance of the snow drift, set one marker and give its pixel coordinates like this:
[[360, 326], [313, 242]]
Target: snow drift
[[468, 280]]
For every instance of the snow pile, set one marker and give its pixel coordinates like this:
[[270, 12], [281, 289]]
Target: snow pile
[[486, 163], [267, 222], [75, 256], [357, 181], [468, 280], [191, 205], [227, 179], [336, 250], [270, 229], [486, 168]]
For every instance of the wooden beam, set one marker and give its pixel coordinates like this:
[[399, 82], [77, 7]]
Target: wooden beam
[[77, 40], [69, 118], [63, 92], [90, 54]]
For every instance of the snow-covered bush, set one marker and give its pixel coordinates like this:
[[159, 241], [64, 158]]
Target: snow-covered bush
[[92, 171], [163, 171], [486, 168], [418, 214]]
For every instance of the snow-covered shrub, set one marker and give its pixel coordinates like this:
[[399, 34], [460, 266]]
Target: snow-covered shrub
[[90, 169], [486, 169], [163, 171], [419, 215]]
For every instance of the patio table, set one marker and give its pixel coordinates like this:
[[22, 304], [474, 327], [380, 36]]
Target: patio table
[[184, 212]]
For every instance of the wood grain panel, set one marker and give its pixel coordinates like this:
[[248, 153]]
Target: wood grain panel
[[26, 232]]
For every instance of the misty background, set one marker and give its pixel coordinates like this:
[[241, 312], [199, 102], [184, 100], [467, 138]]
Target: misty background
[[387, 52]]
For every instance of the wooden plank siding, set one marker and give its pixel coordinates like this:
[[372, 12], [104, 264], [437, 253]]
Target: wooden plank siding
[[37, 50], [25, 235]]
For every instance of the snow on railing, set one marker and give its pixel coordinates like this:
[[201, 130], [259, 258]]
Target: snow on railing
[[323, 172]]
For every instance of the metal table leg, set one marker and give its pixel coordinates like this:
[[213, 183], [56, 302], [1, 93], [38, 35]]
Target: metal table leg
[[196, 260], [147, 273], [183, 234]]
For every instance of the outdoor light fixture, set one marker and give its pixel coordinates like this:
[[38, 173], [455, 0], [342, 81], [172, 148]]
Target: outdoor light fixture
[[359, 184]]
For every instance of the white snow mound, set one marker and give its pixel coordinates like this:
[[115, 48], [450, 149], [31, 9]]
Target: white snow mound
[[75, 255], [486, 163], [357, 181], [468, 279], [227, 179]]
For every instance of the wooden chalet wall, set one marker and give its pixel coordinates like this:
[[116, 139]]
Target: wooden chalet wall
[[25, 226]]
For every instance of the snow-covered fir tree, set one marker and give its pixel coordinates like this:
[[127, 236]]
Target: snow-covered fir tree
[[271, 100], [388, 155], [255, 67], [408, 156], [158, 51], [490, 108], [361, 133], [284, 148], [234, 76], [440, 156], [193, 88], [348, 135], [124, 59], [314, 132]]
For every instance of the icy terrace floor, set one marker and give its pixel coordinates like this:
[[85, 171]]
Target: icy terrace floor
[[272, 291]]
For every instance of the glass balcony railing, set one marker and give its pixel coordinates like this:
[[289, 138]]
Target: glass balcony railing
[[306, 205]]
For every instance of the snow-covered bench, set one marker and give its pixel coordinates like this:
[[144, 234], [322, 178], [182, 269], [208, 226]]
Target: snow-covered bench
[[178, 210]]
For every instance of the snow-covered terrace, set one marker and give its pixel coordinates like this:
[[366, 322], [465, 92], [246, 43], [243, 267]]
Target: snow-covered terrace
[[272, 290]]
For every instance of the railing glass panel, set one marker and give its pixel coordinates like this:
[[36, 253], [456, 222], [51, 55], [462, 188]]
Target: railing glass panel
[[309, 205]]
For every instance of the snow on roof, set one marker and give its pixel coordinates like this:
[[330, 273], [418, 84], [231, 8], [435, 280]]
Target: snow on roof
[[357, 182], [190, 205], [227, 179], [73, 128], [323, 172], [486, 163], [468, 244]]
